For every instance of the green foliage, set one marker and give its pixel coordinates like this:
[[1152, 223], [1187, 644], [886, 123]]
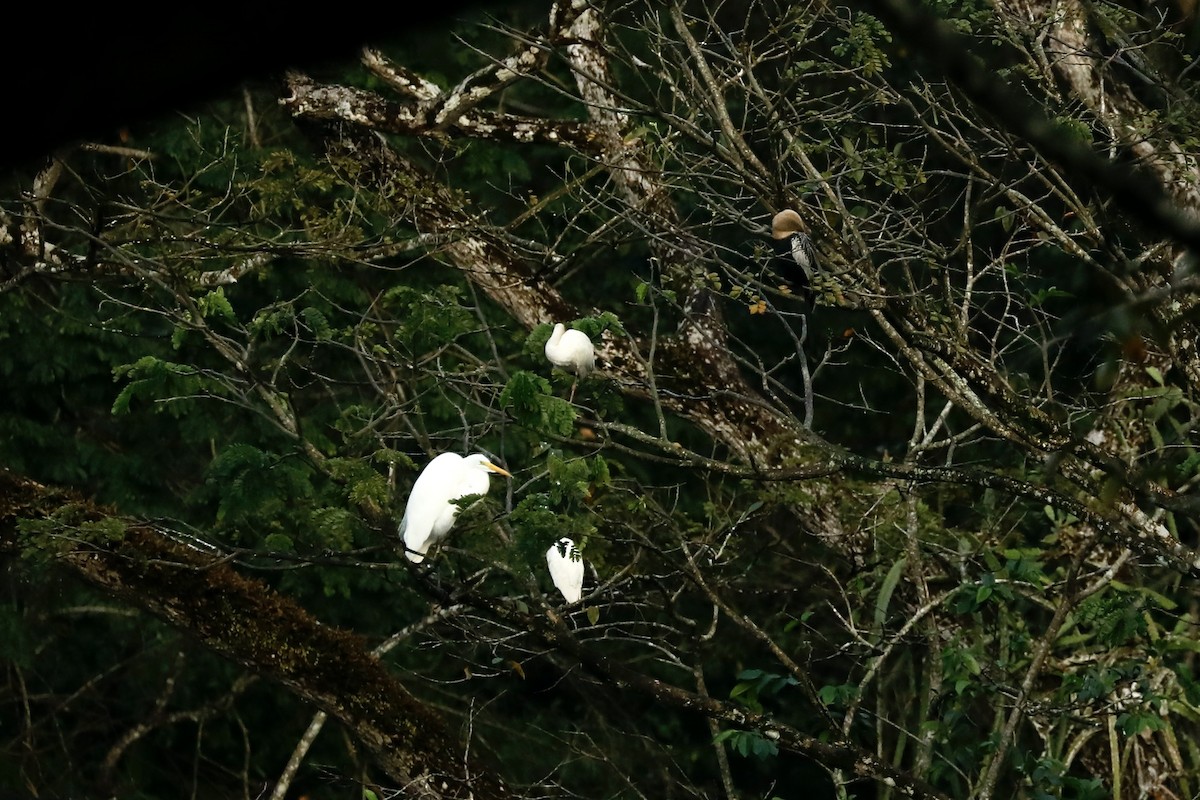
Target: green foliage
[[883, 166], [1114, 617], [886, 590], [317, 323], [595, 326], [1137, 722], [1039, 297], [293, 187], [972, 597], [253, 487], [839, 695], [170, 386], [1072, 128], [537, 526], [365, 487], [272, 320], [279, 542], [527, 397], [861, 45], [1025, 566], [215, 305], [541, 518], [426, 318], [747, 743], [336, 528], [38, 539], [572, 478], [961, 668], [756, 685], [394, 458], [966, 16], [108, 530], [1050, 781]]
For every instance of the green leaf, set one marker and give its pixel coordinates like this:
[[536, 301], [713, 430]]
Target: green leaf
[[156, 379], [1134, 723], [279, 542], [838, 694], [215, 304], [522, 392], [317, 322], [1189, 465], [370, 492], [594, 327], [527, 396], [885, 591], [723, 735]]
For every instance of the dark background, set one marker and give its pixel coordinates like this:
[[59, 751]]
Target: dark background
[[83, 73]]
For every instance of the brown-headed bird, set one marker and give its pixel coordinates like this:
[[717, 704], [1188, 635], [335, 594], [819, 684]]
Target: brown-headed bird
[[795, 258]]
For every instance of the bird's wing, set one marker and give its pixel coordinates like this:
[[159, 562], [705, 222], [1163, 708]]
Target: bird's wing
[[428, 499], [585, 351], [804, 254]]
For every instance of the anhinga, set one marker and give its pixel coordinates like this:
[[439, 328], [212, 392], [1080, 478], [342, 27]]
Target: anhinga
[[795, 259]]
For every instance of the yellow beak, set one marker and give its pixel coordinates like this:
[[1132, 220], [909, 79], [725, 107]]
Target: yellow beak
[[494, 468]]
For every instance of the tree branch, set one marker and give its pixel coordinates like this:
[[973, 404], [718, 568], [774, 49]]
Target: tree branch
[[244, 621]]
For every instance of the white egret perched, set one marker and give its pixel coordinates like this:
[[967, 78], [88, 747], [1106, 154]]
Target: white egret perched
[[795, 257], [572, 350], [566, 568], [431, 510]]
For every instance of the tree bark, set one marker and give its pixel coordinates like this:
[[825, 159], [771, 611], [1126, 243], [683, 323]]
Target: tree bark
[[245, 621]]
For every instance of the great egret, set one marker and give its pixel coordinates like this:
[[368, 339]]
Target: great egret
[[572, 350], [795, 257], [431, 510], [566, 568]]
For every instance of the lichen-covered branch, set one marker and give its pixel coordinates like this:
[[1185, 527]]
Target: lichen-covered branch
[[243, 620]]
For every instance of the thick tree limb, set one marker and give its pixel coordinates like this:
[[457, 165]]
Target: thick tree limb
[[368, 110], [244, 621]]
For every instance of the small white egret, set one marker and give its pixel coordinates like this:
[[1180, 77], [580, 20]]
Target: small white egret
[[431, 510], [795, 257], [572, 350], [566, 568]]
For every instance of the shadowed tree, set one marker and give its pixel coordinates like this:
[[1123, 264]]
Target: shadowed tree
[[932, 535]]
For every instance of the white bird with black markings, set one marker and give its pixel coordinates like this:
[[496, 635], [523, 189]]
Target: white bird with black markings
[[566, 568], [431, 509]]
